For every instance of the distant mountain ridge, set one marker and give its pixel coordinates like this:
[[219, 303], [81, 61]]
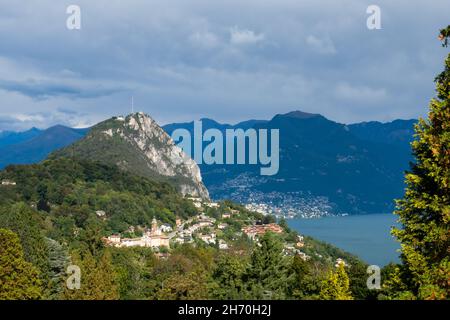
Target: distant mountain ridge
[[212, 124], [35, 145], [354, 168], [398, 132], [10, 137], [345, 168]]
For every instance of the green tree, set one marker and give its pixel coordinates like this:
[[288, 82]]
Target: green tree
[[91, 235], [227, 278], [357, 274], [19, 279], [424, 211], [336, 286], [130, 266], [98, 279], [22, 220], [444, 35], [190, 286], [303, 284], [268, 219], [267, 274], [58, 261], [394, 286]]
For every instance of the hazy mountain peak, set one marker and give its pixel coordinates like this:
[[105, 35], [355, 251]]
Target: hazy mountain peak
[[301, 115]]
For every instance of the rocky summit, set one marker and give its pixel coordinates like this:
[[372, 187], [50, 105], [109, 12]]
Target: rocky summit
[[137, 144]]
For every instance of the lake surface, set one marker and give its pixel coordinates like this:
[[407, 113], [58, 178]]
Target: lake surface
[[367, 236]]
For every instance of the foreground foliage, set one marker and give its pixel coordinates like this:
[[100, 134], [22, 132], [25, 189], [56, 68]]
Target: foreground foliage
[[19, 279], [52, 209], [425, 210]]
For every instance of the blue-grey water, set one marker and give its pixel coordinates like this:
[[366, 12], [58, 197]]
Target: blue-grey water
[[367, 236]]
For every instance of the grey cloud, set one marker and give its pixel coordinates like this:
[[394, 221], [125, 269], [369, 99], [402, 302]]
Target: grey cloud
[[47, 89], [67, 111], [323, 46], [245, 36], [229, 60]]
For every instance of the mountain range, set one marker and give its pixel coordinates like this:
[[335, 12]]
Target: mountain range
[[34, 145], [10, 137], [325, 166]]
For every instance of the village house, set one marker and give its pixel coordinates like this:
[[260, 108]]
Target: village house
[[226, 215], [179, 239], [208, 238], [196, 199], [303, 255], [258, 230], [205, 221], [222, 226], [197, 202], [187, 233], [212, 204], [153, 239], [114, 239], [100, 213], [289, 250], [183, 238], [340, 261], [166, 228], [8, 183], [223, 245], [300, 241]]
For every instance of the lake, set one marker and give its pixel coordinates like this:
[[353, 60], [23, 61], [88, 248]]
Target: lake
[[367, 236]]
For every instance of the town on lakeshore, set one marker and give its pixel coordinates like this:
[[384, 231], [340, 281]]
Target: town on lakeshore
[[203, 228]]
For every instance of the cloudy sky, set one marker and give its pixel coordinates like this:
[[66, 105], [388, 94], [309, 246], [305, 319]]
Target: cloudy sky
[[225, 59]]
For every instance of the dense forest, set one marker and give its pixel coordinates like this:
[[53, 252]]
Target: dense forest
[[49, 219]]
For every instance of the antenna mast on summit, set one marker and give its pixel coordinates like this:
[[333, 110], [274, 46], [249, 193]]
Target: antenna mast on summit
[[132, 104]]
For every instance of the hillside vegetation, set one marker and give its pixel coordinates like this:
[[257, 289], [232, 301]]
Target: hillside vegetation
[[52, 210]]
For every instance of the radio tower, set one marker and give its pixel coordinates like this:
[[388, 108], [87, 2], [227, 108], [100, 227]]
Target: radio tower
[[132, 104]]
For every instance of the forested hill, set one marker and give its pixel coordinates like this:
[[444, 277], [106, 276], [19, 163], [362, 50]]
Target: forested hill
[[50, 210], [72, 190]]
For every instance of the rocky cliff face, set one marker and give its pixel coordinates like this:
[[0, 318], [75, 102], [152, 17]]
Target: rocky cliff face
[[138, 144]]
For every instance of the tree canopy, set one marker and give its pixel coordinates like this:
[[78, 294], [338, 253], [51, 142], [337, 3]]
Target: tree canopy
[[19, 279], [424, 212]]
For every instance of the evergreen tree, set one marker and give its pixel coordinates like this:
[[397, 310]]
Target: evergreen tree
[[19, 279], [190, 286], [23, 221], [336, 286], [91, 235], [131, 266], [424, 211], [58, 260], [98, 279], [227, 276], [267, 274], [302, 284]]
